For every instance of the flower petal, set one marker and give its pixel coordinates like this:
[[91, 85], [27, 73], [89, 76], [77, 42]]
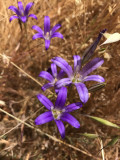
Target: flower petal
[[46, 75], [46, 86], [57, 34], [37, 35], [94, 78], [90, 51], [46, 24], [21, 8], [33, 16], [63, 65], [73, 106], [14, 9], [56, 27], [44, 118], [47, 44], [61, 128], [61, 74], [38, 29], [70, 119], [57, 90], [45, 101], [61, 98], [82, 91], [63, 82], [54, 70], [23, 19], [13, 17], [77, 63], [28, 7], [91, 66]]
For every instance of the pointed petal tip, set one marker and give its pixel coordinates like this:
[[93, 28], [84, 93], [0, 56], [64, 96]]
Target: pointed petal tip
[[28, 7], [46, 48], [57, 34], [61, 128], [103, 31], [36, 122], [71, 120], [47, 17], [10, 7], [33, 16], [33, 38], [63, 136], [43, 89], [12, 17], [82, 91], [77, 125]]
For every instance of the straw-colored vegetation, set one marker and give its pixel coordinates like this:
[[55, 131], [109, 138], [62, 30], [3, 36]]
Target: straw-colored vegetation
[[81, 21]]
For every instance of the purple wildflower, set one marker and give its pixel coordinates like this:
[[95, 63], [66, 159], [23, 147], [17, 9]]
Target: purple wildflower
[[79, 76], [22, 14], [58, 112], [52, 78], [47, 34], [90, 51]]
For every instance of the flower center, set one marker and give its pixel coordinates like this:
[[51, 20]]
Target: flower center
[[55, 80], [77, 78], [47, 36], [22, 12], [56, 113]]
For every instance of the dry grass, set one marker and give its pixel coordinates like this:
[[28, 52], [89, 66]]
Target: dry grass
[[81, 22]]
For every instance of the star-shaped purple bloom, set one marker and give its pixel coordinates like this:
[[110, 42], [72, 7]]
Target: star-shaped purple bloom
[[52, 78], [58, 112], [47, 34], [79, 76], [22, 14]]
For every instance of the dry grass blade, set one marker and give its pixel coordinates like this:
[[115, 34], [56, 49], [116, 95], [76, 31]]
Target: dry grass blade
[[25, 73], [81, 21], [102, 152], [51, 137]]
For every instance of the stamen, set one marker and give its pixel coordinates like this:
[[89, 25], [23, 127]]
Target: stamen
[[56, 113], [47, 36], [77, 78]]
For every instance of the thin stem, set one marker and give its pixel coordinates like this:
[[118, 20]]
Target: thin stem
[[26, 73], [19, 124], [26, 35]]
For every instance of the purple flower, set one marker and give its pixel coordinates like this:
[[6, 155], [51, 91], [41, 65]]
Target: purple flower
[[47, 34], [22, 14], [52, 78], [58, 112], [79, 76], [90, 51]]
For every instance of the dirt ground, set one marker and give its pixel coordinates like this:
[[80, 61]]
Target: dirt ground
[[81, 21]]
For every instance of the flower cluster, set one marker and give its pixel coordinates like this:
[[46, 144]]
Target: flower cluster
[[47, 34], [66, 76]]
